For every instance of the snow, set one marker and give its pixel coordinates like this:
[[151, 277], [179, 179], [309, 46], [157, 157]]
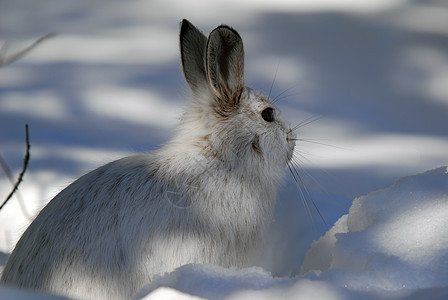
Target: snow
[[211, 282], [9, 293], [391, 239], [374, 72]]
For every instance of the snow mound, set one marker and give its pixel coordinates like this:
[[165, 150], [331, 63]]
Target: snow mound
[[391, 239], [213, 282], [210, 281], [166, 293]]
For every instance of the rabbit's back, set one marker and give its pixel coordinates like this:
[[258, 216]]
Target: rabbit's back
[[116, 227], [86, 230]]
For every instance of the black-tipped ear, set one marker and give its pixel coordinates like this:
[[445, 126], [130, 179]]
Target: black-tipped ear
[[192, 51], [225, 64]]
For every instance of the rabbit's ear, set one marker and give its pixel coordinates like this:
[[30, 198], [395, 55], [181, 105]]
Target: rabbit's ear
[[192, 51], [225, 65]]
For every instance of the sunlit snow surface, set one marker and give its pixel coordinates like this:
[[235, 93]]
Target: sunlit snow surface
[[391, 239], [374, 73]]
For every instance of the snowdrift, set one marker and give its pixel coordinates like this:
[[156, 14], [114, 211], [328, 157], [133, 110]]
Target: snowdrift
[[391, 239]]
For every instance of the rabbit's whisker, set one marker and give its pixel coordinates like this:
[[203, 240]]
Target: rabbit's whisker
[[273, 81], [305, 194], [314, 141], [293, 166], [279, 96], [305, 122]]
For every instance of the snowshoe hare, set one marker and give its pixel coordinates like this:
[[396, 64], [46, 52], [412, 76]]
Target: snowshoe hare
[[206, 196]]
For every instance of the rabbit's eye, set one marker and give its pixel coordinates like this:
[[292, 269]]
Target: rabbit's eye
[[268, 114]]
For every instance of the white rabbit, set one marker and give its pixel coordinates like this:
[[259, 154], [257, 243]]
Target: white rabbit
[[206, 196]]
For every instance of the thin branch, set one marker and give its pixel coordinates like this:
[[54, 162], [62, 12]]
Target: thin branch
[[11, 179], [5, 60], [25, 165]]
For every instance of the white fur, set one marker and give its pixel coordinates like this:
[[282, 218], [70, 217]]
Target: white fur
[[206, 196]]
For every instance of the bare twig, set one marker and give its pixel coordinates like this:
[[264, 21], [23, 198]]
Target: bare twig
[[5, 60], [11, 179], [25, 165]]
